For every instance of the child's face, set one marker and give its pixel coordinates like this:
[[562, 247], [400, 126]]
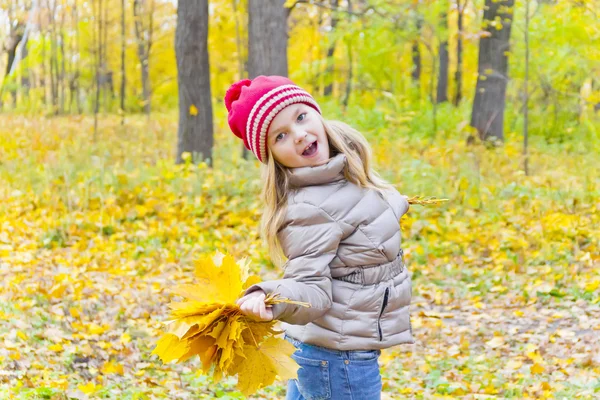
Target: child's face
[[290, 134]]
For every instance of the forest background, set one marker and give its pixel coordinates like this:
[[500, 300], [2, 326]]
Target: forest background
[[117, 170]]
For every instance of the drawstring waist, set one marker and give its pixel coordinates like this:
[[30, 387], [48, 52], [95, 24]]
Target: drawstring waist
[[373, 274]]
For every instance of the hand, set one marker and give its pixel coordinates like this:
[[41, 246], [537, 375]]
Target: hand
[[253, 305]]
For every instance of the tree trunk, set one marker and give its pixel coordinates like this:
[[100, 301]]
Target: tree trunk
[[416, 56], [107, 73], [330, 51], [123, 73], [62, 71], [26, 77], [238, 41], [60, 37], [143, 19], [459, 49], [74, 84], [54, 76], [348, 90], [43, 78], [267, 40], [99, 63], [195, 132], [490, 94], [526, 89], [12, 43], [442, 84]]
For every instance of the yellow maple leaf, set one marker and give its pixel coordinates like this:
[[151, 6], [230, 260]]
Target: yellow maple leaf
[[198, 345], [208, 358], [256, 331], [252, 280], [537, 369], [170, 348], [592, 286], [244, 265], [280, 353], [112, 367], [227, 340], [193, 110], [188, 326], [125, 338], [274, 359], [187, 308], [220, 284], [251, 378], [56, 347], [89, 388]]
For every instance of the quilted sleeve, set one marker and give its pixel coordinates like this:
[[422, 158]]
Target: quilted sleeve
[[310, 238]]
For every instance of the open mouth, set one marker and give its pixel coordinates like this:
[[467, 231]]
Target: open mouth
[[310, 150]]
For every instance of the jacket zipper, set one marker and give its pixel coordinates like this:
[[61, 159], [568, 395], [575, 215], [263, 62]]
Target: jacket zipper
[[383, 306]]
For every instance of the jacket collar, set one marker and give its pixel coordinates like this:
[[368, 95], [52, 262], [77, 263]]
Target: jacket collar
[[331, 171]]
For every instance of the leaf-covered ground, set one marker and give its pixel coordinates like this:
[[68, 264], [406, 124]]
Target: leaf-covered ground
[[94, 234]]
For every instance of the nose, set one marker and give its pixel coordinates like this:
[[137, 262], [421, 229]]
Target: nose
[[299, 135]]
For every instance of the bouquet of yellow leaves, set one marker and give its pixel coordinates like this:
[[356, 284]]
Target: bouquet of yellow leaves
[[209, 324]]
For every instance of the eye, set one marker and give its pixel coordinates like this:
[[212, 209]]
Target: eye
[[303, 115], [279, 137]]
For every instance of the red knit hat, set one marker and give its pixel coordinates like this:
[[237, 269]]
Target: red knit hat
[[253, 104]]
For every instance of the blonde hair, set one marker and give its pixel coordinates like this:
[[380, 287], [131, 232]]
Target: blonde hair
[[342, 139]]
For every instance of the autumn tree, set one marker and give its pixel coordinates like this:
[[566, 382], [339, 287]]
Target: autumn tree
[[442, 86], [16, 31], [416, 52], [143, 14], [460, 9], [267, 39], [490, 93], [195, 131], [123, 69], [331, 50]]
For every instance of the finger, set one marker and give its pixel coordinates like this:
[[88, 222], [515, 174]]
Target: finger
[[263, 311], [256, 307], [269, 314], [243, 299], [247, 308]]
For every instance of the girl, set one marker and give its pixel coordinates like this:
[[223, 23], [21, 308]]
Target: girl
[[337, 223]]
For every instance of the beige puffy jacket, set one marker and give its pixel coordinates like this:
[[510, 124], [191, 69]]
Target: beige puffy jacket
[[344, 258]]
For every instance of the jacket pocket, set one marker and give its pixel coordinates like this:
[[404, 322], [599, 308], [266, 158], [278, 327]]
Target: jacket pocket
[[313, 378], [383, 306]]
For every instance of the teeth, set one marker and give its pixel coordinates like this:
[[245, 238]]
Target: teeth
[[308, 146]]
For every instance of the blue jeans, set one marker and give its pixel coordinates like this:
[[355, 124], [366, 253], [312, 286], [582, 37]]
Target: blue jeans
[[334, 374]]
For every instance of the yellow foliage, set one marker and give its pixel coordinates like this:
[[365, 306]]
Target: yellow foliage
[[537, 369], [112, 367], [89, 388], [209, 324], [106, 225]]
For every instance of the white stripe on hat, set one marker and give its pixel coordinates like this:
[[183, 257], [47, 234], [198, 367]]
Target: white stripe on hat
[[263, 129], [264, 98], [263, 109]]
